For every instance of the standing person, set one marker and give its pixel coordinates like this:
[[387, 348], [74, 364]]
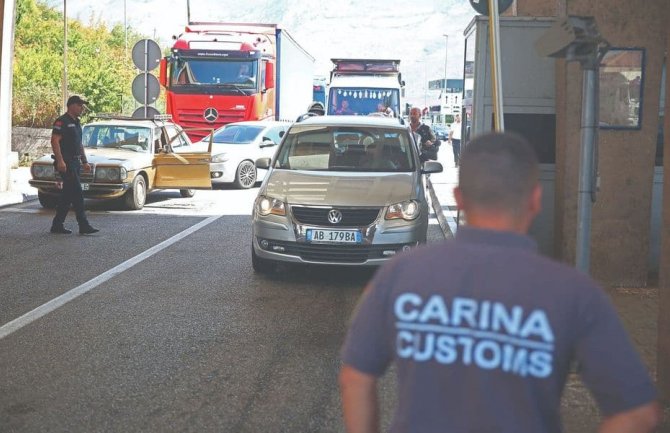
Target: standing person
[[482, 329], [69, 158], [424, 135], [455, 139]]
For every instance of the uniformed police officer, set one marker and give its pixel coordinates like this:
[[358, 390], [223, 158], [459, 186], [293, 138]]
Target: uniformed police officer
[[70, 158]]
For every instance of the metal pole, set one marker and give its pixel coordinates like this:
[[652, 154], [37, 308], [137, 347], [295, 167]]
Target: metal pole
[[586, 169], [446, 53], [496, 76], [64, 55], [125, 26], [146, 77], [188, 11]]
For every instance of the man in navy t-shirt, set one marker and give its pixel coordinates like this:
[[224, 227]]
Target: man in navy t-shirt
[[482, 329]]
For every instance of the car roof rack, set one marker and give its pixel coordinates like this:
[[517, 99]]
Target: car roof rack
[[116, 116]]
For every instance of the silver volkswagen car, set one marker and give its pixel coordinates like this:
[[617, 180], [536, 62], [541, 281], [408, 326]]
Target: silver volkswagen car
[[341, 190]]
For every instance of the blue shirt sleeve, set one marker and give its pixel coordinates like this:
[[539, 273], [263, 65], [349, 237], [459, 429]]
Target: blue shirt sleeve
[[368, 347], [608, 362]]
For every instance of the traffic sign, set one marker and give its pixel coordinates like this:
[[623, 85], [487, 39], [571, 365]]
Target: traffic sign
[[146, 54], [151, 112], [152, 89], [482, 6]]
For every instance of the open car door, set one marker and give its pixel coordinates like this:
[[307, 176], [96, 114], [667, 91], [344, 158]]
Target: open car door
[[183, 170]]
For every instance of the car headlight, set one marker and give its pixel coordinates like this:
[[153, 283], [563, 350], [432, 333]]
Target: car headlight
[[108, 174], [43, 171], [407, 210], [221, 157], [268, 205]]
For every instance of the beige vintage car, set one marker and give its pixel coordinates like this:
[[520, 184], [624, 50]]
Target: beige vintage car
[[130, 158]]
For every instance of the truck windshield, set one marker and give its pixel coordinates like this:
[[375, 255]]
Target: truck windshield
[[116, 136], [237, 73], [363, 101], [355, 149]]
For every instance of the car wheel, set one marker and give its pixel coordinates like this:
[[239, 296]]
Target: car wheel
[[186, 193], [136, 196], [47, 201], [261, 265], [246, 175]]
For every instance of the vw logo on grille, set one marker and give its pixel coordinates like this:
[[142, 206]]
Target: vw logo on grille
[[334, 216], [211, 114]]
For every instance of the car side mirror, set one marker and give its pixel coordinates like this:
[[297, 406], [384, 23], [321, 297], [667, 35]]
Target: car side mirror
[[431, 167], [263, 163], [267, 143]]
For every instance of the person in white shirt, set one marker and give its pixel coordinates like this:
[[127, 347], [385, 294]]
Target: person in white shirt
[[455, 139]]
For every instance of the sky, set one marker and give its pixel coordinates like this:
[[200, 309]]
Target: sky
[[412, 31]]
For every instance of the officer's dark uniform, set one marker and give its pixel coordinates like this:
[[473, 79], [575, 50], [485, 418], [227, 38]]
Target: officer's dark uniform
[[69, 130], [426, 134]]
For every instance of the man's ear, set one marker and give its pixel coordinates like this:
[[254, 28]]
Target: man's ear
[[535, 203], [458, 195]]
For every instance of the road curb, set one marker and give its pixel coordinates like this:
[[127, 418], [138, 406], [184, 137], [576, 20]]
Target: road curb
[[437, 208]]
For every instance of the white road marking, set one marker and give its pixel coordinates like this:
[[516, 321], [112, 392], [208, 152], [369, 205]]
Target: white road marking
[[66, 297]]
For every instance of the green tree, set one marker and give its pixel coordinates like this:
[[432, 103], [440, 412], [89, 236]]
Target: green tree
[[98, 67]]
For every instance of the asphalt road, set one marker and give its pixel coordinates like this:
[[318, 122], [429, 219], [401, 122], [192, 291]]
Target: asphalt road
[[168, 334]]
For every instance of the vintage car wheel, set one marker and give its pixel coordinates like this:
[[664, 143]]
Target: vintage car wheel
[[186, 193], [47, 201], [261, 265], [136, 196], [246, 175]]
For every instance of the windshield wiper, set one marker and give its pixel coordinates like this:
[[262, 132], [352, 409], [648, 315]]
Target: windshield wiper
[[234, 86]]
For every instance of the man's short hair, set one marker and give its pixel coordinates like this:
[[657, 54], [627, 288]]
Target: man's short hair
[[498, 171]]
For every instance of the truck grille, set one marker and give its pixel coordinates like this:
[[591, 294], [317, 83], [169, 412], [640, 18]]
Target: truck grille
[[194, 119], [359, 217]]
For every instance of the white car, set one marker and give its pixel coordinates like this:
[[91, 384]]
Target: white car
[[236, 147]]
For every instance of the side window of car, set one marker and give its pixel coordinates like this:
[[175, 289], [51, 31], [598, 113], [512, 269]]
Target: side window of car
[[276, 133], [172, 132]]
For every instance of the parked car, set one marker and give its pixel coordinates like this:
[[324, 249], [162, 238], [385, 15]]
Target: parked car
[[129, 158], [341, 190], [441, 132], [236, 147]]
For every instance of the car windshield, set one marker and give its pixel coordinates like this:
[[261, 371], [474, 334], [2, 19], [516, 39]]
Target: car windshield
[[130, 137], [358, 149], [236, 134]]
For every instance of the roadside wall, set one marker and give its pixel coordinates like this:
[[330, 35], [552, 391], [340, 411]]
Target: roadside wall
[[30, 143]]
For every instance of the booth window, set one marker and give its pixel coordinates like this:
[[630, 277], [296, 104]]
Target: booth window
[[621, 84]]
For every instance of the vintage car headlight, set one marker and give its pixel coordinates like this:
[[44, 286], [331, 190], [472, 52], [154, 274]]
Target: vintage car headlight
[[268, 205], [110, 174], [43, 171], [221, 157], [407, 210]]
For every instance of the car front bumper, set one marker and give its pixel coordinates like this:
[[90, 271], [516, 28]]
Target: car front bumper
[[284, 240], [90, 190]]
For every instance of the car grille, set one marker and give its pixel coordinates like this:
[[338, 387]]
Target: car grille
[[337, 253], [359, 217]]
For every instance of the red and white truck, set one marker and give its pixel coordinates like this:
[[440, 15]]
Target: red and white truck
[[219, 73]]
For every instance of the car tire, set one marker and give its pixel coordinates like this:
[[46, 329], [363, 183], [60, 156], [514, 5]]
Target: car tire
[[245, 177], [47, 201], [261, 265], [187, 193], [136, 196]]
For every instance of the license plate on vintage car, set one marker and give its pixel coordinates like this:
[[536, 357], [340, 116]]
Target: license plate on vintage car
[[334, 236], [84, 187]]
